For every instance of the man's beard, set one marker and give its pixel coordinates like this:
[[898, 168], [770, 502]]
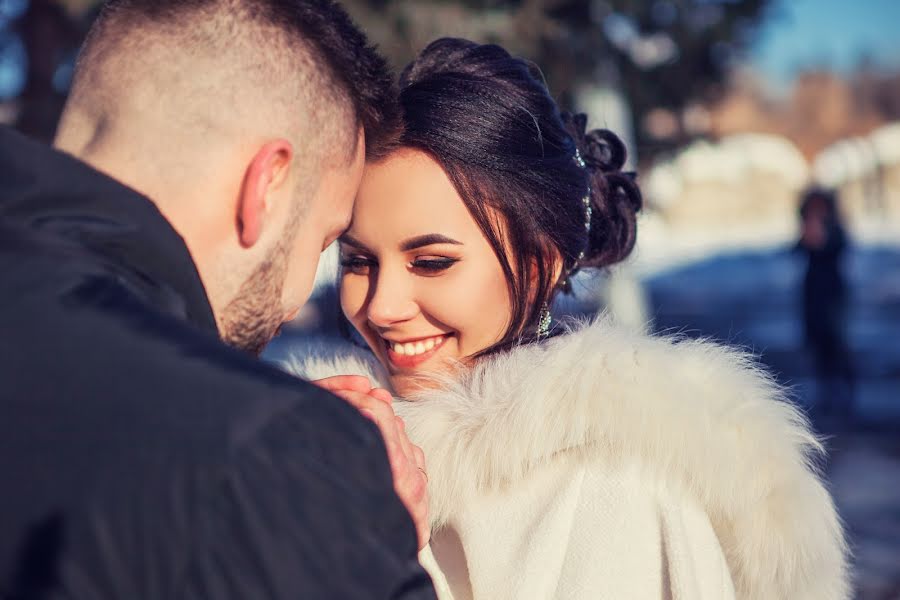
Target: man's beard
[[253, 317]]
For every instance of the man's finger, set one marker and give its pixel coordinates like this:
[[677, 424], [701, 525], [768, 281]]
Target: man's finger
[[419, 457], [353, 383], [365, 400], [382, 394], [404, 440], [384, 414]]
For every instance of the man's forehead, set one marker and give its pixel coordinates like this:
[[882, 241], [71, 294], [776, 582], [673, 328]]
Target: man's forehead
[[348, 146], [359, 151], [358, 166], [349, 165]]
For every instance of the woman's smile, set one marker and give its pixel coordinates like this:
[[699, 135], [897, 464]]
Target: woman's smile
[[409, 353]]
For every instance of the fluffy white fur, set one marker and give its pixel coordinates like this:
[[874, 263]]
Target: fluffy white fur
[[699, 416]]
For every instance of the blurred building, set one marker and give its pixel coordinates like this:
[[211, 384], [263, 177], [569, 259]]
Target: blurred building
[[740, 180], [819, 108]]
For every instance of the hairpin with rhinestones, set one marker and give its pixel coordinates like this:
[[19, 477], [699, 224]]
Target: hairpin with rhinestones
[[588, 207]]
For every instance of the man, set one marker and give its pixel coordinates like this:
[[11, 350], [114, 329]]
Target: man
[[208, 152]]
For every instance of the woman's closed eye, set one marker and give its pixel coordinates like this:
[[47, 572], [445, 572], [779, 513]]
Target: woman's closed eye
[[429, 266], [432, 265]]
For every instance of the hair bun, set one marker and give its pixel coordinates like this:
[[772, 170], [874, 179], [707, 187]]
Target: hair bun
[[615, 196], [601, 149]]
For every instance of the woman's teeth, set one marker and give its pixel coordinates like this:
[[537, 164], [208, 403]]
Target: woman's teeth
[[416, 348]]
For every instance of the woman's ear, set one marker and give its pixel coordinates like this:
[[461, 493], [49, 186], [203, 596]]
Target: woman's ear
[[266, 173]]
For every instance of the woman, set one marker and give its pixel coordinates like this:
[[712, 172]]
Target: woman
[[588, 462]]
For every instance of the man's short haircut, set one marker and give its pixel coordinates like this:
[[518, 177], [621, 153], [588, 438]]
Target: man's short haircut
[[347, 69]]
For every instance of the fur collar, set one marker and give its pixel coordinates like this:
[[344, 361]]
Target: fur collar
[[702, 417]]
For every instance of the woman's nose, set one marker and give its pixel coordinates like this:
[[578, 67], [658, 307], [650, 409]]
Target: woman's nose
[[392, 299]]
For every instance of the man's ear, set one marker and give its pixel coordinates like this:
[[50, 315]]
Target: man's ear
[[266, 173]]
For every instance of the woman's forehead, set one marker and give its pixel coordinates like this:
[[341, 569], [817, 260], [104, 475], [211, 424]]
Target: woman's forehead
[[409, 194]]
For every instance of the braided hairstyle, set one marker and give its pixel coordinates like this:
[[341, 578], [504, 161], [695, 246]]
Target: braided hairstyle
[[488, 119]]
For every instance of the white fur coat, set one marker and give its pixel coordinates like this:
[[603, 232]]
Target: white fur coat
[[608, 464]]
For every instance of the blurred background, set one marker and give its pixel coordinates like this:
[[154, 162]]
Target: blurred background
[[733, 110]]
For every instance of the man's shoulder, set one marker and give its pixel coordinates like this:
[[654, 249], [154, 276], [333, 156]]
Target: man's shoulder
[[89, 340]]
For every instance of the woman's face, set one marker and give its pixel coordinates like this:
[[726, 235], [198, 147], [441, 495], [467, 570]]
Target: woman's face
[[419, 280]]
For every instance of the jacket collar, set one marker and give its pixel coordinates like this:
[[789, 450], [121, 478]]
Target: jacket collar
[[49, 192]]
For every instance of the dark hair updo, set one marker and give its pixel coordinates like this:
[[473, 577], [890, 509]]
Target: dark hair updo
[[489, 121]]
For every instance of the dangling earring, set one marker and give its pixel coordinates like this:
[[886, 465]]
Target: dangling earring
[[545, 321]]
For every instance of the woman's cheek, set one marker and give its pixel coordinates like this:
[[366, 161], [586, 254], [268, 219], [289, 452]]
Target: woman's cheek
[[474, 302], [495, 310], [353, 292]]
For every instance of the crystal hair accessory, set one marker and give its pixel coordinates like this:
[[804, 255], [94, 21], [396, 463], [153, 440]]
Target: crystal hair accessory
[[545, 321], [588, 208], [578, 160]]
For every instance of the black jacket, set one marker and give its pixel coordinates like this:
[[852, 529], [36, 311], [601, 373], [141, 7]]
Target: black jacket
[[141, 458]]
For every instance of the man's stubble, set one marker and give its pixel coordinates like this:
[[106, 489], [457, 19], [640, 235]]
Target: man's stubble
[[254, 316]]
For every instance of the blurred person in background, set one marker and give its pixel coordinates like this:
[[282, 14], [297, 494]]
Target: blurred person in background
[[825, 297], [208, 152], [571, 462]]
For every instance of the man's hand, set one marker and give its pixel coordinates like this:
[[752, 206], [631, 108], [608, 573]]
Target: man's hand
[[407, 460]]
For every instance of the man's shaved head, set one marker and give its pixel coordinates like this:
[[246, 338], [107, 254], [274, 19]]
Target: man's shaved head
[[235, 66], [244, 122]]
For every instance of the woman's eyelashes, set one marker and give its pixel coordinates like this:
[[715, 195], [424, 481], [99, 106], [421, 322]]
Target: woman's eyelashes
[[360, 264], [433, 264], [357, 263]]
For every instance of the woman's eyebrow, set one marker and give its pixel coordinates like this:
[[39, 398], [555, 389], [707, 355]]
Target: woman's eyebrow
[[426, 240], [352, 241]]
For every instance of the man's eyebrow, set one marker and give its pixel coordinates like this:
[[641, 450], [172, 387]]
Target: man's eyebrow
[[427, 240]]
